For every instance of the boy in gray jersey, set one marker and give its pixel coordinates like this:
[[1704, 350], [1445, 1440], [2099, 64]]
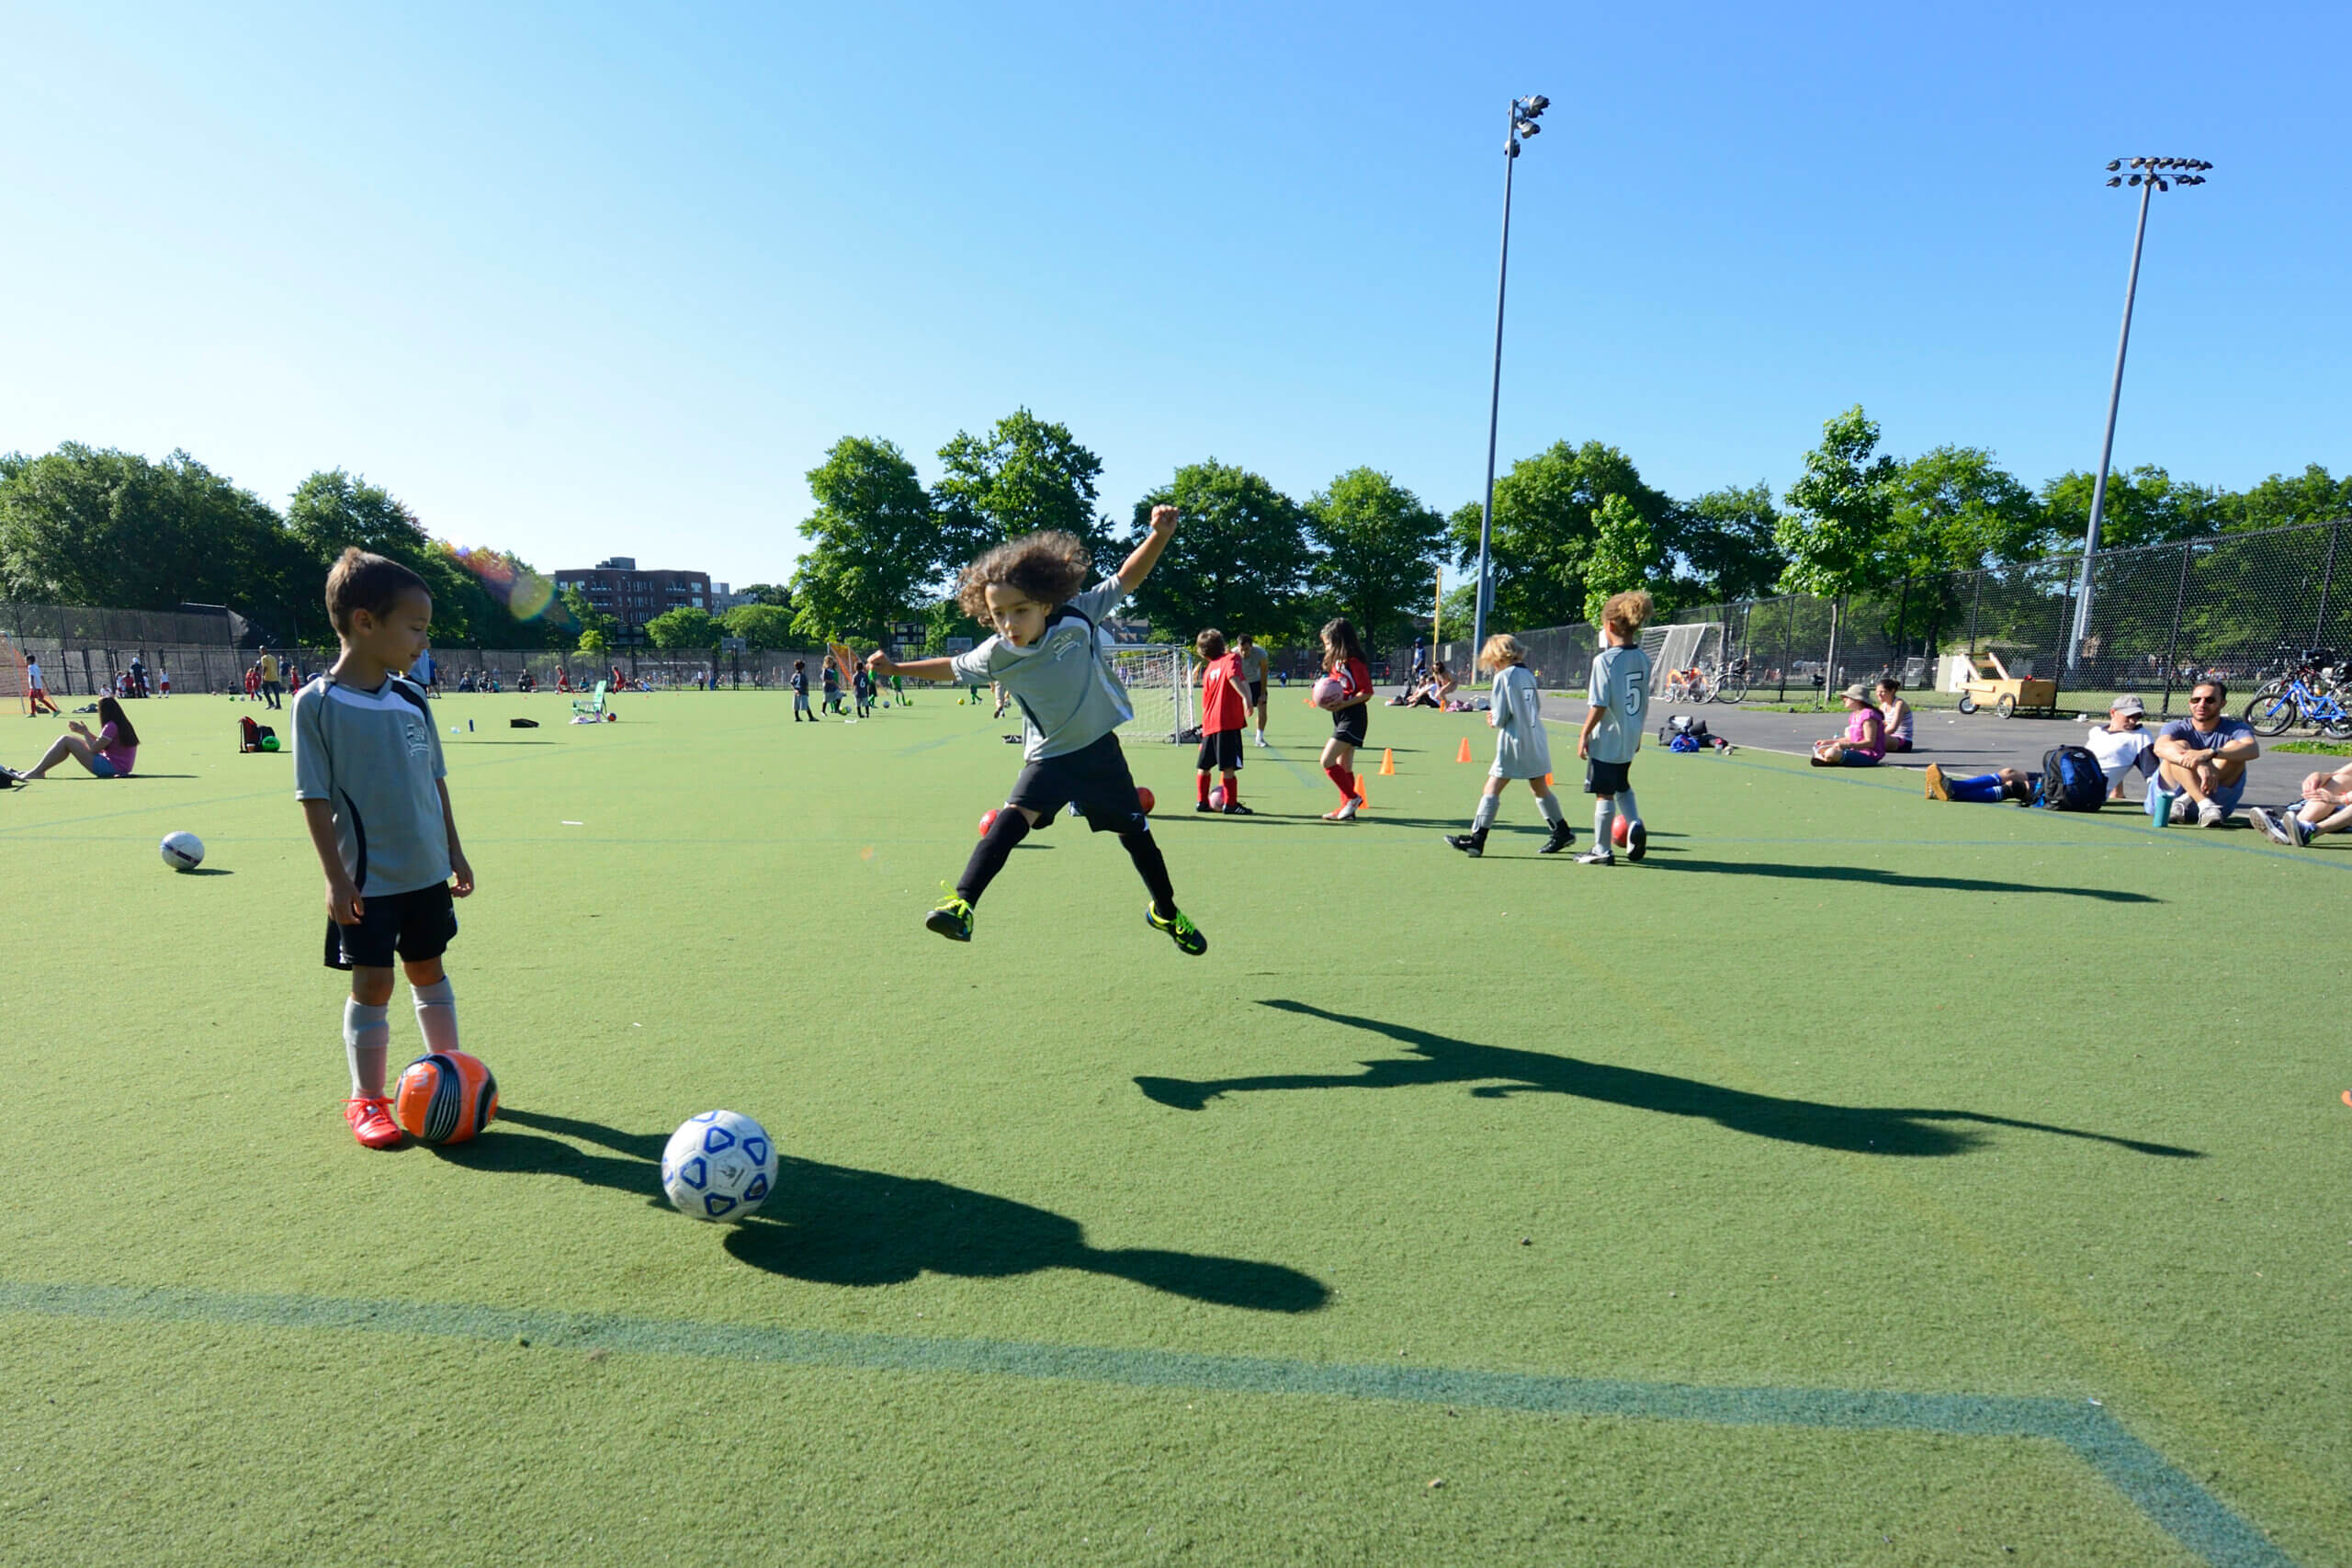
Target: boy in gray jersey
[[1620, 694], [367, 770], [1045, 654]]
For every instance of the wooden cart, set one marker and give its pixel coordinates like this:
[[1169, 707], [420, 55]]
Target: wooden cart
[[2006, 695]]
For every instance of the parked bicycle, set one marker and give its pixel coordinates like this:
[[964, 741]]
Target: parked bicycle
[[2312, 690]]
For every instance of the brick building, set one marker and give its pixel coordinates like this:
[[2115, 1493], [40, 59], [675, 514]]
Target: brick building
[[633, 595]]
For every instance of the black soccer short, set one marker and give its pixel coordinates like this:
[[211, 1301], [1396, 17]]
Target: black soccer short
[[1351, 724], [1258, 693], [1607, 778], [416, 926], [1220, 751], [1094, 778]]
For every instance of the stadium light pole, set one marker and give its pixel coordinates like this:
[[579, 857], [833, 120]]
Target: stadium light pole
[[2150, 174], [1524, 113]]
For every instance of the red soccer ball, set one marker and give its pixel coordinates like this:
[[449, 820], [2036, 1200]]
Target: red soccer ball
[[987, 820], [1617, 829], [1144, 799]]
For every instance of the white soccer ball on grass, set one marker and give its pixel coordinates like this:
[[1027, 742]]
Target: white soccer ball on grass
[[182, 852], [718, 1166]]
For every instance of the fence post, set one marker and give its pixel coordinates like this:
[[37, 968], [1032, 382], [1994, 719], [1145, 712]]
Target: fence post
[[1975, 603], [1788, 639], [2172, 645], [2326, 579], [2066, 607]]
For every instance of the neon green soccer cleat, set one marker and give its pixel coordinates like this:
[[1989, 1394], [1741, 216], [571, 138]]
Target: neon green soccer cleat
[[1179, 928], [952, 920]]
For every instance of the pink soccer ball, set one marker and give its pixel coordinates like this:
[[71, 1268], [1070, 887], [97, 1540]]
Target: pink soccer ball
[[1217, 797], [1329, 692]]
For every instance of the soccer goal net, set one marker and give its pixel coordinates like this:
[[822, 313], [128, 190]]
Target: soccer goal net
[[14, 689], [1159, 683], [1680, 647]]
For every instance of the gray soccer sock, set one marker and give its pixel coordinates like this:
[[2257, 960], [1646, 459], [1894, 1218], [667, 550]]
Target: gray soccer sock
[[437, 1014], [1485, 816], [1626, 807], [366, 1038], [1604, 816], [1552, 812]]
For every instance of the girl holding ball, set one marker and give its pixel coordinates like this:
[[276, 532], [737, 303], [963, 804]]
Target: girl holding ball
[[1344, 663]]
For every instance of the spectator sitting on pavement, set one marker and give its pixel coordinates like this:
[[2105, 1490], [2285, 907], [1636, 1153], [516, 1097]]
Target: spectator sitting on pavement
[[2201, 759], [2326, 808], [1896, 712], [2123, 744], [1864, 743]]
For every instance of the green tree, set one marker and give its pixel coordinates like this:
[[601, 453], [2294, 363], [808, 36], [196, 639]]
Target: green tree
[[1723, 542], [684, 627], [761, 625], [595, 631], [1836, 532], [874, 543], [1238, 562], [1025, 474], [773, 595], [2312, 496], [1955, 509], [333, 509], [1379, 553], [1544, 525], [1625, 554], [2143, 506]]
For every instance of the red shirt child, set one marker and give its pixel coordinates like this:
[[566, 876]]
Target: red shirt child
[[1224, 709]]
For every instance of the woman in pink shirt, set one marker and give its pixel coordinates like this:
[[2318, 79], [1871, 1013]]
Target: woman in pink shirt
[[108, 754], [1864, 743]]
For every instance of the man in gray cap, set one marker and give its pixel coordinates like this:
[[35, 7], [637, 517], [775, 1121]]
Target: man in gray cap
[[2124, 745]]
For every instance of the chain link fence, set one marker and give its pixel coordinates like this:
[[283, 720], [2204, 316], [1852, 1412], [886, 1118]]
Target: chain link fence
[[2162, 617]]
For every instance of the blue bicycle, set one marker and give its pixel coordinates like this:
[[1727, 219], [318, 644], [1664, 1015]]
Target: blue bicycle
[[2310, 692]]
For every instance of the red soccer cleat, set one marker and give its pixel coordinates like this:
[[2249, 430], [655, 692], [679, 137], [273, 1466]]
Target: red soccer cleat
[[371, 1122]]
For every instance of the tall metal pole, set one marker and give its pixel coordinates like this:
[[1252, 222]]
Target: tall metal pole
[[1494, 410], [2107, 446]]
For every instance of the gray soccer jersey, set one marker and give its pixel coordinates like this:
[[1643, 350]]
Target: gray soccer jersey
[[1069, 697], [1620, 689], [375, 757], [1523, 750]]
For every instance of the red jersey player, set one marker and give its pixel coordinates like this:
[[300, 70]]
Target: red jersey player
[[1224, 709]]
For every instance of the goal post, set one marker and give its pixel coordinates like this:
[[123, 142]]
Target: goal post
[[1158, 679], [15, 687], [1683, 646]]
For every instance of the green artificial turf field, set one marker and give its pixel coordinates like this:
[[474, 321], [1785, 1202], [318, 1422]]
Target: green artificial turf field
[[1857, 1179]]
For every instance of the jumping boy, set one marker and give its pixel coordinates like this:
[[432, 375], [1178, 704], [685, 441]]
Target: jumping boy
[[367, 770], [1620, 694], [1043, 653], [800, 692], [1225, 710]]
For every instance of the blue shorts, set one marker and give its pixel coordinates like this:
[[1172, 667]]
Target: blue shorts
[[1852, 758], [103, 768], [2228, 797]]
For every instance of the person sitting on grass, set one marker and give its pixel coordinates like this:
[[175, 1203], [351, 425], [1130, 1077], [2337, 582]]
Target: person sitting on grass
[[2122, 744], [1894, 713], [108, 754], [1864, 743], [2327, 807], [2201, 759]]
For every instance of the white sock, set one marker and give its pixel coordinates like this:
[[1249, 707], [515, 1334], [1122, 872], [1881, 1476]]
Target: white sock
[[1552, 812], [1488, 805], [1626, 807], [437, 1014], [366, 1037], [1604, 816]]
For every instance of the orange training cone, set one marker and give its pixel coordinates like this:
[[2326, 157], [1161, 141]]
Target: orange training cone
[[1387, 762], [1463, 755]]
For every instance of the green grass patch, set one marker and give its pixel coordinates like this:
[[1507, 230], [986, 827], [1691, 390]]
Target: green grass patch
[[1841, 1101], [2314, 747]]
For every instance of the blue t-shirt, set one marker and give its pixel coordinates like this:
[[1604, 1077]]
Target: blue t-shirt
[[2227, 729]]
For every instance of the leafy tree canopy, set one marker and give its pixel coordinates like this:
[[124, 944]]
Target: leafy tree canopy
[[1025, 474], [1379, 552], [1834, 533], [1724, 543], [874, 544], [685, 627], [1625, 553], [1545, 526], [761, 625], [1238, 562]]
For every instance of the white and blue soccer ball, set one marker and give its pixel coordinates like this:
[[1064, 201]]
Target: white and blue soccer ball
[[718, 1166], [182, 852]]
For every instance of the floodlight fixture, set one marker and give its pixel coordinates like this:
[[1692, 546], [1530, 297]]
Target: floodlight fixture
[[1524, 113]]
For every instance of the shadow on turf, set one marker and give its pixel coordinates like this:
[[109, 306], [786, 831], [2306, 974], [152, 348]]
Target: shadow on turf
[[832, 1225], [1906, 879], [1501, 1072]]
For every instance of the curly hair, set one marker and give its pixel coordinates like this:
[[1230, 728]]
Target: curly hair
[[1049, 566]]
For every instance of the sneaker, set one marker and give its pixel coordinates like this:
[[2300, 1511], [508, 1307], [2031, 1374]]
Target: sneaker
[[1203, 805], [1562, 837], [1179, 928], [1637, 842], [1348, 813], [2305, 832], [2273, 825], [1469, 844], [952, 920], [1261, 742], [1937, 788], [2210, 815], [1597, 857], [1235, 808], [371, 1121], [2184, 810]]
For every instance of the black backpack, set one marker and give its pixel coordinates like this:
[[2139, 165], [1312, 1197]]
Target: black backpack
[[2071, 779]]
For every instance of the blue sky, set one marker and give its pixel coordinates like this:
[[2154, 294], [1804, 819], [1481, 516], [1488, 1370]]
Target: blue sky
[[577, 281]]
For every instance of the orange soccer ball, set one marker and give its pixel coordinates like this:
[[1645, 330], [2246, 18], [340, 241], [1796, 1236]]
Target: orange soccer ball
[[1144, 799], [445, 1098]]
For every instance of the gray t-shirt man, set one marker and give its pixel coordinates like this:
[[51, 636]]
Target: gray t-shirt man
[[1620, 689], [376, 758], [1069, 697]]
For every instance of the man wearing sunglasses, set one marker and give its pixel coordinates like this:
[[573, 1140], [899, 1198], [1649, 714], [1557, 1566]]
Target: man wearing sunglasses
[[2201, 759]]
